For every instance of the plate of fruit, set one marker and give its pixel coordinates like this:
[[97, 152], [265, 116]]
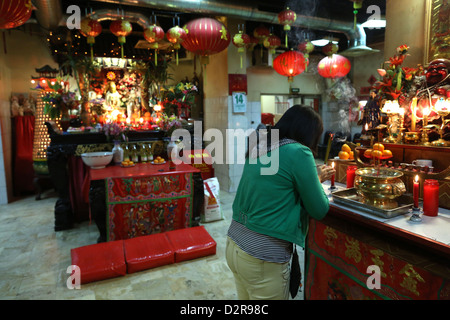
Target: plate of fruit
[[127, 164], [158, 160], [346, 153], [378, 151]]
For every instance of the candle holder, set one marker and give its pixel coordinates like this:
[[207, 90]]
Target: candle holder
[[415, 214]]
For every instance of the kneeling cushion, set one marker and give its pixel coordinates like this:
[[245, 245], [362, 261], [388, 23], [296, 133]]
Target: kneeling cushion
[[100, 261], [191, 243], [147, 252]]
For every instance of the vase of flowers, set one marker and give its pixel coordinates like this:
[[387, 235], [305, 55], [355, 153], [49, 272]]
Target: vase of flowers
[[117, 151], [118, 134], [179, 99]]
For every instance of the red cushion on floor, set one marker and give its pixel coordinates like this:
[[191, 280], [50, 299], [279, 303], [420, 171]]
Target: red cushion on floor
[[148, 252], [191, 243], [100, 261]]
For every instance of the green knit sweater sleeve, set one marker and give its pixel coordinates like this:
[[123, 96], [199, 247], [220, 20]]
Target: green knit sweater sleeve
[[306, 180]]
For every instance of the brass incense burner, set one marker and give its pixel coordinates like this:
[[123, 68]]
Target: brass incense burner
[[412, 137], [379, 187]]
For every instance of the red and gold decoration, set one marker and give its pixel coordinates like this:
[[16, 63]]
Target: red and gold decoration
[[287, 18], [261, 32], [144, 205], [176, 36], [334, 65], [344, 257], [121, 29], [206, 36], [90, 28], [289, 64], [241, 40], [153, 34], [306, 47], [330, 48], [14, 13], [271, 43]]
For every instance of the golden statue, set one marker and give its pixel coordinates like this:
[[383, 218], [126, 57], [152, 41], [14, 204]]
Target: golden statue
[[112, 98]]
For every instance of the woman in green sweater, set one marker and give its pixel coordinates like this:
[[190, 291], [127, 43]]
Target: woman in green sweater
[[271, 207]]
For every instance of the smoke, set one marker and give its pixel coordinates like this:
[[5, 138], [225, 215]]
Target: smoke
[[302, 8], [341, 90]]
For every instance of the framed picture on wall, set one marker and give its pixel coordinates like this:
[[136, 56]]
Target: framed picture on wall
[[438, 33]]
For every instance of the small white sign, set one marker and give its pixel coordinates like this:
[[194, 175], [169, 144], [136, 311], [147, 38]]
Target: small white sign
[[239, 102]]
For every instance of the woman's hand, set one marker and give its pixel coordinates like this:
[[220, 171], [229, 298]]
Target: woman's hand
[[325, 172]]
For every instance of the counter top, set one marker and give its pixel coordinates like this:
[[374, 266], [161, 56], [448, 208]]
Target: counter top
[[140, 169], [432, 232]]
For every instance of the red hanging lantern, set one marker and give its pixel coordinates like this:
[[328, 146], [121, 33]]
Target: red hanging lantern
[[306, 47], [176, 36], [334, 66], [14, 13], [261, 33], [271, 43], [153, 34], [90, 28], [206, 36], [330, 48], [287, 18], [121, 29], [241, 40], [252, 43], [289, 64]]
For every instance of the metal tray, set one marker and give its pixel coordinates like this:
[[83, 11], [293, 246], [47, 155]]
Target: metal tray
[[349, 198]]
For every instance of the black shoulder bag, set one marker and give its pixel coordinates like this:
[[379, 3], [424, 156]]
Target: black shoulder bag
[[296, 274]]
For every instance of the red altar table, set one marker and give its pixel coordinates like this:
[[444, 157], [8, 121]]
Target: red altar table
[[146, 198], [341, 247]]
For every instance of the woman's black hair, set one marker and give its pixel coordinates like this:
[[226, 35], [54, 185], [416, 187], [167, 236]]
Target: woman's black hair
[[302, 124]]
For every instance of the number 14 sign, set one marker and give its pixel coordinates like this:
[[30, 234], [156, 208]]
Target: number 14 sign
[[239, 102]]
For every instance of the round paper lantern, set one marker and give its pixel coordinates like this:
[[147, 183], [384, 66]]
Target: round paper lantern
[[306, 47], [14, 13], [153, 34], [261, 33], [287, 18], [330, 48], [241, 40], [252, 43], [205, 36], [121, 29], [90, 28], [176, 36], [334, 66], [271, 43], [289, 64]]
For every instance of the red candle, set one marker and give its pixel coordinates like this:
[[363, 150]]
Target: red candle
[[351, 176], [416, 192], [431, 197], [332, 177]]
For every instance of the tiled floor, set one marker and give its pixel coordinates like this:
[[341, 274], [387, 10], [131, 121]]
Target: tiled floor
[[34, 261]]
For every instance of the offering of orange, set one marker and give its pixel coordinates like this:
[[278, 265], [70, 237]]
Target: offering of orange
[[127, 163], [387, 153], [346, 152], [378, 146], [343, 155], [377, 153], [345, 147], [368, 153], [158, 159]]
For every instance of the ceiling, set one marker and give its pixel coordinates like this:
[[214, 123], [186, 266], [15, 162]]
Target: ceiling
[[336, 11]]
